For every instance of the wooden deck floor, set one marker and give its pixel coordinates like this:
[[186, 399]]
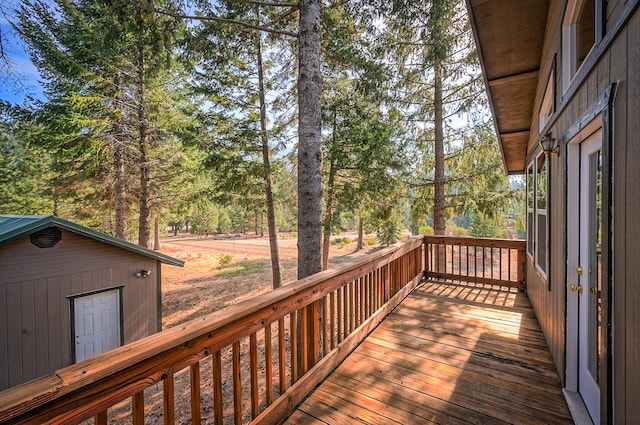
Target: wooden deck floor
[[448, 354]]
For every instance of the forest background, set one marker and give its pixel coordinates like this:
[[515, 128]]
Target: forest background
[[163, 115]]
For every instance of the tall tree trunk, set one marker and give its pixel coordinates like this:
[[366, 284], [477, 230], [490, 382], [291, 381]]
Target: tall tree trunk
[[271, 214], [328, 217], [439, 199], [144, 221], [360, 234], [309, 141], [120, 174], [156, 234], [309, 160]]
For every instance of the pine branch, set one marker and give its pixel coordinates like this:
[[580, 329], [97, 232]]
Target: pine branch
[[269, 4], [245, 25]]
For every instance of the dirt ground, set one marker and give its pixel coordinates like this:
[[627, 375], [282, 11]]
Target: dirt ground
[[203, 286]]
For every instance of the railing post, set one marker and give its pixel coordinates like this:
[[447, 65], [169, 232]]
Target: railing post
[[521, 268]]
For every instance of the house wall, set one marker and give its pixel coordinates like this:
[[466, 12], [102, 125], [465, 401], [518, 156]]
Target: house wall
[[35, 329], [617, 61]]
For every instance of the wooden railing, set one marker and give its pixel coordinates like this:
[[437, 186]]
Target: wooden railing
[[475, 260], [274, 349]]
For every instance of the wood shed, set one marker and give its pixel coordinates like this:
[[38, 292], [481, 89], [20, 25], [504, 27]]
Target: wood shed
[[68, 293]]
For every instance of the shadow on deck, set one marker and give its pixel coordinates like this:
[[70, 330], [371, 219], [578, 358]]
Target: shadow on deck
[[448, 354]]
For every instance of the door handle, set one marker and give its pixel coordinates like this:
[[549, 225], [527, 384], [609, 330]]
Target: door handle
[[594, 290], [575, 288]]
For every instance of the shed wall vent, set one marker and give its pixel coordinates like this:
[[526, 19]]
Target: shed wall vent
[[46, 238]]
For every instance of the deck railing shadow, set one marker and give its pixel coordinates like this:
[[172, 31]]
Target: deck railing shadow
[[450, 353]]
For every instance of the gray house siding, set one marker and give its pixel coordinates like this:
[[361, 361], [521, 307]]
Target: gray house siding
[[613, 65]]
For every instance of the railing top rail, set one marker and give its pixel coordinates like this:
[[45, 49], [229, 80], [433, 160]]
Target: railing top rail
[[211, 332], [471, 241]]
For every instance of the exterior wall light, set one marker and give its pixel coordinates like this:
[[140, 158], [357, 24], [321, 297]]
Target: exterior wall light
[[548, 144], [143, 273]]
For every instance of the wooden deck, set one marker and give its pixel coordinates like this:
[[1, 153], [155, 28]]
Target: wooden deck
[[448, 354]]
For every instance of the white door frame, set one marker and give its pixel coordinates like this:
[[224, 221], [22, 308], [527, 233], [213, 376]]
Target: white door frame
[[573, 254]]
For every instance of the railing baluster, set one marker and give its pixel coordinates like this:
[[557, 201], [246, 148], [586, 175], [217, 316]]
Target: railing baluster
[[194, 382], [137, 408], [216, 360], [304, 339], [168, 398], [340, 307], [253, 360], [282, 357], [293, 337], [268, 364], [101, 418], [509, 277], [332, 315], [323, 319], [362, 299], [237, 384]]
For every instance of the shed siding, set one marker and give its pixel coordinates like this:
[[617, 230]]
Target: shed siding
[[35, 323], [621, 64]]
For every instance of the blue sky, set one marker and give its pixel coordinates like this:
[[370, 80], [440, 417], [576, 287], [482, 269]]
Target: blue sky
[[23, 78]]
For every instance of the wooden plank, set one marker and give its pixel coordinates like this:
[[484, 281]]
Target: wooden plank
[[480, 242], [302, 418], [168, 400], [293, 337], [313, 322], [237, 384], [137, 408], [253, 366], [268, 360], [304, 339], [216, 359], [101, 418], [333, 318], [367, 408], [340, 309], [336, 410], [476, 398], [404, 399], [194, 385], [282, 352], [324, 318]]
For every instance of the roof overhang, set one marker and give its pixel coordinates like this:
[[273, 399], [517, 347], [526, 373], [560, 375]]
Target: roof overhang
[[509, 36], [14, 226]]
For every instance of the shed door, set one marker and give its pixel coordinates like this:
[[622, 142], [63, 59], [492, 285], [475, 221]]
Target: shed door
[[97, 323]]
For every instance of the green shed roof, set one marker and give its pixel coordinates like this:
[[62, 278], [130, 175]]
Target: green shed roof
[[13, 226]]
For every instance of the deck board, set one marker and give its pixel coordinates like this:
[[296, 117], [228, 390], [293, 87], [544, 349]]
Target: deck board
[[448, 354]]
